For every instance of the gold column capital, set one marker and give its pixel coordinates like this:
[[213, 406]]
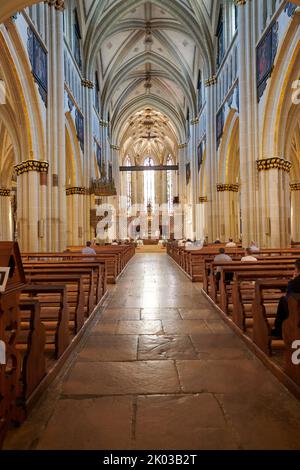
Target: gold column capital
[[115, 147], [211, 81], [228, 187], [295, 186], [81, 191], [182, 146], [274, 163], [87, 83], [41, 166], [59, 5], [4, 192], [239, 3], [203, 199], [103, 123], [194, 121]]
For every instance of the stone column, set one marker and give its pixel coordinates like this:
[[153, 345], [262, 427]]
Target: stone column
[[6, 232], [202, 216], [57, 223], [85, 200], [115, 156], [295, 209], [229, 217], [247, 115], [182, 181], [163, 181], [211, 157], [274, 202], [105, 145], [43, 233], [30, 216], [140, 187], [194, 179], [77, 197]]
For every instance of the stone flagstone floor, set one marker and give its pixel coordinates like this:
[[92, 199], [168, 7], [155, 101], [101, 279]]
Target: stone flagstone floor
[[159, 369]]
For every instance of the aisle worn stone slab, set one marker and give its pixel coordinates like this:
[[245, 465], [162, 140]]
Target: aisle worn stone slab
[[224, 376], [120, 378], [160, 314], [198, 314], [90, 424], [166, 347], [143, 327], [184, 326], [265, 420], [109, 348], [121, 314], [219, 347], [182, 422]]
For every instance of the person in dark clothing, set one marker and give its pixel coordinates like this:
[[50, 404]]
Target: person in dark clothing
[[282, 309]]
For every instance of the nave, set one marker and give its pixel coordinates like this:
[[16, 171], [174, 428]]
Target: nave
[[159, 369]]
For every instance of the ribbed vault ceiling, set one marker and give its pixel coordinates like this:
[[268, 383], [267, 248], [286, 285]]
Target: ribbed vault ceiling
[[148, 55]]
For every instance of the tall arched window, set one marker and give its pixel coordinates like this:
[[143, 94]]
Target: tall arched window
[[149, 184], [128, 184], [77, 40], [170, 185]]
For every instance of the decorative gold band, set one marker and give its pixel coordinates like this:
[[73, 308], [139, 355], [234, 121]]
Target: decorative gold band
[[87, 83], [58, 4], [4, 192], [32, 165], [274, 163], [211, 81], [295, 186], [228, 187], [77, 190]]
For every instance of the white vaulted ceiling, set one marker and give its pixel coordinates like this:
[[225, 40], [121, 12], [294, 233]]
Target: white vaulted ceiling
[[148, 55]]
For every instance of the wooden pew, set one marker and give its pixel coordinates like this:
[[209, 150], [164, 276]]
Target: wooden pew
[[94, 279], [31, 340], [226, 268], [54, 314], [52, 306], [245, 296], [75, 293], [264, 311], [291, 333], [264, 320], [109, 262], [12, 409], [192, 261]]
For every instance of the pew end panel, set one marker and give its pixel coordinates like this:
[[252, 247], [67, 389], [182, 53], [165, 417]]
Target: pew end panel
[[12, 409], [291, 337]]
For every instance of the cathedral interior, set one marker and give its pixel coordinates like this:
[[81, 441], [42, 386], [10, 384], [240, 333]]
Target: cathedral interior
[[139, 141]]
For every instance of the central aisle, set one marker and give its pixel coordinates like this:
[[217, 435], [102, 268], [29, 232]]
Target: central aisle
[[161, 370]]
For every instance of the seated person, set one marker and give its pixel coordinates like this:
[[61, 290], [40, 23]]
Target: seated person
[[181, 243], [282, 309], [88, 250], [231, 243], [189, 243], [217, 241], [114, 242], [220, 259], [139, 242], [248, 256], [253, 247]]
